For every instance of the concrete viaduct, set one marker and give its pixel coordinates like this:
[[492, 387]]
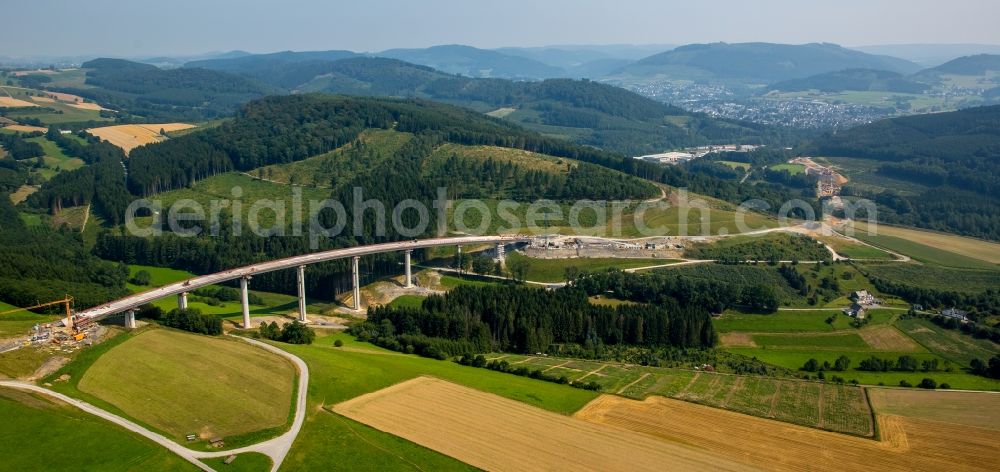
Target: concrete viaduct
[[129, 304]]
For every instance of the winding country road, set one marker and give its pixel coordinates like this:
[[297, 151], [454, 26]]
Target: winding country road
[[275, 448]]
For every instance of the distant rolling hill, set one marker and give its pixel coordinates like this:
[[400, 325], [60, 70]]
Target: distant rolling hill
[[156, 94], [425, 145], [930, 55], [474, 62], [757, 62], [852, 80], [979, 64], [584, 111]]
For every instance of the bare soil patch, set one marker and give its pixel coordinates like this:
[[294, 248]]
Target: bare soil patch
[[737, 339], [499, 434]]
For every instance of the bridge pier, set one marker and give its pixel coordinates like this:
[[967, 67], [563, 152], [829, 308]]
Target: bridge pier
[[182, 300], [500, 253], [409, 275], [130, 319], [301, 282], [356, 285], [245, 301], [459, 259]]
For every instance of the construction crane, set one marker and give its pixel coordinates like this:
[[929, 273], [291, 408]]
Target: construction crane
[[67, 301]]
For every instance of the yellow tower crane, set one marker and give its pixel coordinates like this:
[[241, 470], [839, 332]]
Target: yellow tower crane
[[67, 301]]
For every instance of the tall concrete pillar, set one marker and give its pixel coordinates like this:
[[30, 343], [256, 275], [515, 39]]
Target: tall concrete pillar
[[409, 274], [245, 300], [182, 300], [459, 259], [500, 252], [130, 319], [301, 282], [356, 283]]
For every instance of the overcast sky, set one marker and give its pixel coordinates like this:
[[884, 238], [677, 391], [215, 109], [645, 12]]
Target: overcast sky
[[176, 27]]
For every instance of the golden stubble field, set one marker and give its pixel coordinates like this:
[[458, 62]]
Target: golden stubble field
[[129, 137], [907, 442], [494, 433]]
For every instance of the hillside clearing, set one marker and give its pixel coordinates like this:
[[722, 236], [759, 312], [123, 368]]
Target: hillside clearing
[[494, 433]]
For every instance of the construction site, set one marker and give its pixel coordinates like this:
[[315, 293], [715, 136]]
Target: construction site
[[57, 336], [561, 247]]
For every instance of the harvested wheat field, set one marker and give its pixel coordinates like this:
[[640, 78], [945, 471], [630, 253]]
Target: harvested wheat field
[[87, 106], [980, 409], [10, 102], [129, 137], [25, 128], [906, 444], [888, 338], [22, 193], [494, 433]]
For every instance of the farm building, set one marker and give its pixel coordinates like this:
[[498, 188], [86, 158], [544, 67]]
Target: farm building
[[863, 297], [855, 311], [955, 313]]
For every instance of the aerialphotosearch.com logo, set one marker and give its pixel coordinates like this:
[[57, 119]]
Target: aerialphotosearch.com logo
[[329, 218]]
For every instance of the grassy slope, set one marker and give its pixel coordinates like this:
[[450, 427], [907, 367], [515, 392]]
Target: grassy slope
[[553, 270], [246, 462], [338, 374], [220, 187], [163, 378], [935, 277], [339, 165], [60, 437]]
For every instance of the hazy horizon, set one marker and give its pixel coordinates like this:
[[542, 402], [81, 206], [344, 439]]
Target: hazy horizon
[[185, 27]]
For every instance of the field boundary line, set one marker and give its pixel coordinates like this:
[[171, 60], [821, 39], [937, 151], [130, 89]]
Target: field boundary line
[[588, 374], [738, 384], [644, 375], [690, 383], [554, 366]]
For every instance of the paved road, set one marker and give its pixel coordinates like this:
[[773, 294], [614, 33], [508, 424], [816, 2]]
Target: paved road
[[276, 448], [133, 301]]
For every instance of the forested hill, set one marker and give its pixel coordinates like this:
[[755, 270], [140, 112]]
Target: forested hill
[[956, 154], [166, 95], [758, 62], [853, 79], [282, 69], [978, 64], [586, 112], [280, 130]]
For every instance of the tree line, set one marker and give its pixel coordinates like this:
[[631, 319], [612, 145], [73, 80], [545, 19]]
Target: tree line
[[521, 319]]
